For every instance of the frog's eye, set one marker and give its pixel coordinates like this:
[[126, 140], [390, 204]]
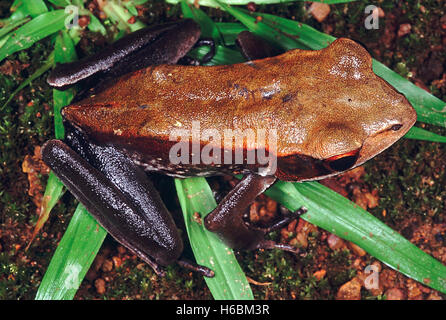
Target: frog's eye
[[396, 127], [343, 161]]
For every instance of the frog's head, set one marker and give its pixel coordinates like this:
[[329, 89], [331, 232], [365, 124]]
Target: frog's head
[[356, 115]]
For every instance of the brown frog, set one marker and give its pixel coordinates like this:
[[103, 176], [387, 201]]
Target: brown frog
[[327, 109]]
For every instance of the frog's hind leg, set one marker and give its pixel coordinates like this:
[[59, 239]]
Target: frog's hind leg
[[228, 221], [101, 198], [120, 196], [284, 221]]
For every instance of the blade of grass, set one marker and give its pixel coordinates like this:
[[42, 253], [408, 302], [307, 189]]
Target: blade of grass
[[229, 31], [73, 257], [95, 25], [11, 26], [21, 9], [207, 26], [35, 7], [53, 192], [422, 134], [120, 15], [334, 213], [33, 31], [64, 51], [229, 282], [60, 3]]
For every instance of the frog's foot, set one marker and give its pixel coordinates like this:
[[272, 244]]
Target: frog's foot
[[204, 271], [186, 60], [227, 220], [284, 221]]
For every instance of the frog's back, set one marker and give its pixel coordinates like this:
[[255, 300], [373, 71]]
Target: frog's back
[[321, 103]]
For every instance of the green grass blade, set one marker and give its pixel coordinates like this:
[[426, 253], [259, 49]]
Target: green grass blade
[[121, 16], [11, 26], [53, 192], [207, 26], [60, 3], [229, 282], [35, 7], [64, 52], [73, 257], [334, 213], [422, 134], [33, 31], [95, 25], [230, 31]]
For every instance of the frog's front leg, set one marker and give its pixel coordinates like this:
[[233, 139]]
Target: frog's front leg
[[228, 221], [120, 196]]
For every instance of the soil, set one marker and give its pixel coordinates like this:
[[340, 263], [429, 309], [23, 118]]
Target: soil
[[404, 186]]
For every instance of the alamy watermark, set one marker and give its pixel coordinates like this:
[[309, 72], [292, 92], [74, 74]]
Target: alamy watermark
[[230, 147], [372, 20], [372, 280], [72, 20]]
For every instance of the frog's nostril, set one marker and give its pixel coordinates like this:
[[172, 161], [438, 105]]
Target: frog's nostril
[[342, 162]]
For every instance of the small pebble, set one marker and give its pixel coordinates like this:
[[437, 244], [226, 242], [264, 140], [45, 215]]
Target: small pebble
[[394, 294], [100, 286], [320, 274], [251, 6], [404, 29], [107, 266], [334, 242], [350, 290], [319, 11], [117, 261], [84, 21], [356, 249]]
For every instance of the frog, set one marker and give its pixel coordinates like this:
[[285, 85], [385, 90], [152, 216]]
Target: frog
[[328, 112]]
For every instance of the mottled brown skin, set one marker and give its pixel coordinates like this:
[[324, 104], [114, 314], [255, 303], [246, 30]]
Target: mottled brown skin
[[323, 104]]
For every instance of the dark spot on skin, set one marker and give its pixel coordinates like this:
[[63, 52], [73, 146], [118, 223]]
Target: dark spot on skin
[[143, 106], [287, 97], [241, 91], [349, 100]]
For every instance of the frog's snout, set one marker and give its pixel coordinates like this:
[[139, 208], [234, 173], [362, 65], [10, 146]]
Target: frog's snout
[[380, 141]]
